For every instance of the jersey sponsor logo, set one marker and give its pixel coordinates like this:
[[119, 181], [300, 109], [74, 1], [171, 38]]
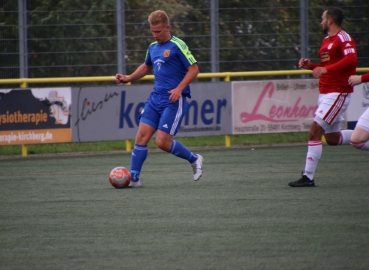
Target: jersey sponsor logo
[[330, 46], [166, 53], [158, 63], [324, 57]]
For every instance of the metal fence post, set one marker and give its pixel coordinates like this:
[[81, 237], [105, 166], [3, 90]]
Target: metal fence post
[[22, 29], [214, 29], [121, 52], [304, 30], [23, 50]]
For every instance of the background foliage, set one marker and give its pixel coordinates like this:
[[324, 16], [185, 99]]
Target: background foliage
[[68, 38]]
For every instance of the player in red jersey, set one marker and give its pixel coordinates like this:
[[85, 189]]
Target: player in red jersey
[[338, 60], [360, 136]]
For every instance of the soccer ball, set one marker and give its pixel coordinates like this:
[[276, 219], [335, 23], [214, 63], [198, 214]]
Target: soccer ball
[[119, 177]]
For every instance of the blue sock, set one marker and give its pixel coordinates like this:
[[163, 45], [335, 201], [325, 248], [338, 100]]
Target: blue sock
[[139, 155], [181, 151]]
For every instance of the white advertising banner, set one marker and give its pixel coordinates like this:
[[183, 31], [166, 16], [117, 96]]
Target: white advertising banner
[[112, 113], [274, 106]]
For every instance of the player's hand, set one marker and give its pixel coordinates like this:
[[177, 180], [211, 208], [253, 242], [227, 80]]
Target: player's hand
[[304, 63], [319, 71], [354, 80], [120, 78], [174, 95]]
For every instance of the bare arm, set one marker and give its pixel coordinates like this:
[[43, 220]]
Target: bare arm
[[176, 93], [358, 79], [307, 64], [354, 80], [140, 72]]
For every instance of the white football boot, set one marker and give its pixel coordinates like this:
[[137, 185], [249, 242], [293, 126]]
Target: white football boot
[[136, 184], [197, 167]]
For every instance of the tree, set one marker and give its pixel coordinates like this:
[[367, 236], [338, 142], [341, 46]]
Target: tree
[[9, 49]]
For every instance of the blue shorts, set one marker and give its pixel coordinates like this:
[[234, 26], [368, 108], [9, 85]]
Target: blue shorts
[[161, 114]]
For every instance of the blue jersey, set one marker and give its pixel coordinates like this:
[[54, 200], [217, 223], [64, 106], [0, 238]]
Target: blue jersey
[[170, 61]]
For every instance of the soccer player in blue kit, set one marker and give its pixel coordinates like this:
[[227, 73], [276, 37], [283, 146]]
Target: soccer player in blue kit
[[174, 68]]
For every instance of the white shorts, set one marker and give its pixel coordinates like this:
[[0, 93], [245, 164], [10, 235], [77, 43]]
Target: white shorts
[[331, 107], [363, 121]]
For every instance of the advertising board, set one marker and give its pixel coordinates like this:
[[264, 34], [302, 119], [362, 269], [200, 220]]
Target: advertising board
[[112, 113], [35, 116]]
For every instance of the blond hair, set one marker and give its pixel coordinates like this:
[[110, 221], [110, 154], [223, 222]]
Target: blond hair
[[158, 17]]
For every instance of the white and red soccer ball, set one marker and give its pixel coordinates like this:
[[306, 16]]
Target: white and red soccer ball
[[119, 177]]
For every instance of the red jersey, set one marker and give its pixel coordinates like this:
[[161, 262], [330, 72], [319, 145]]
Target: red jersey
[[365, 77], [338, 55]]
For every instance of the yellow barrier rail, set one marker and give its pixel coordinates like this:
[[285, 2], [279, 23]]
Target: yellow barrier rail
[[226, 75]]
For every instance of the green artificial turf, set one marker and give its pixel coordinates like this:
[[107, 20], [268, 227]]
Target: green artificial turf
[[62, 213]]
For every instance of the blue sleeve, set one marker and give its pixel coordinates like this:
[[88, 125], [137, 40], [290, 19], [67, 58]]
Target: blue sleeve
[[148, 58], [184, 53], [183, 58]]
